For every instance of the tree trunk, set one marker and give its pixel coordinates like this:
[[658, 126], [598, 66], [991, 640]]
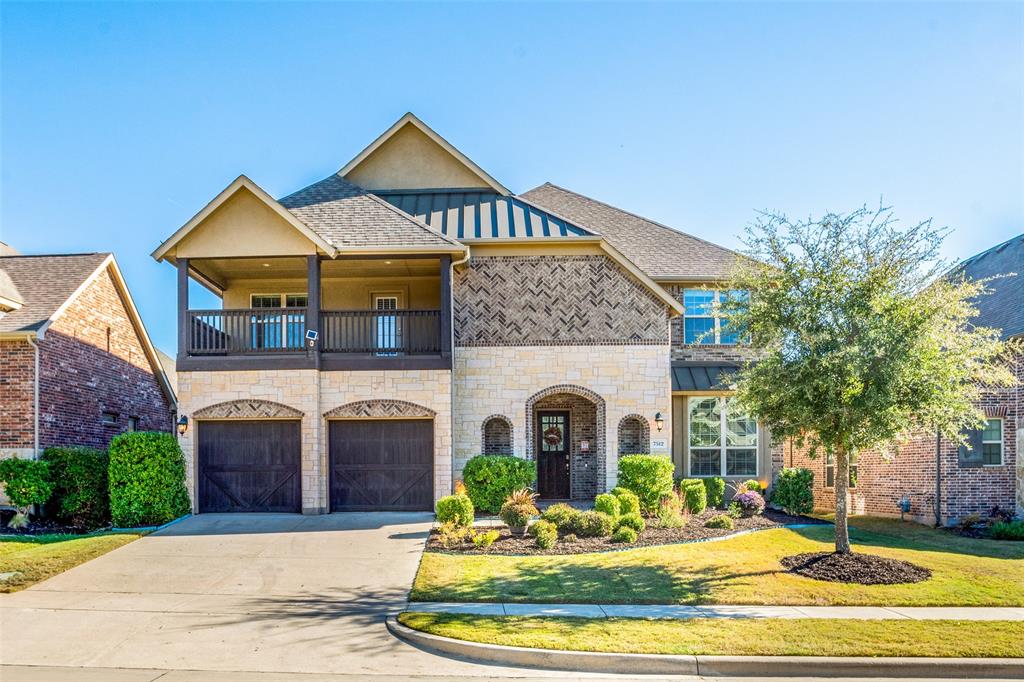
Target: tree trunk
[[842, 501]]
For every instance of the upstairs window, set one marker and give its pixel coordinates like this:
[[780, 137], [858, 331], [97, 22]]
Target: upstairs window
[[701, 325]]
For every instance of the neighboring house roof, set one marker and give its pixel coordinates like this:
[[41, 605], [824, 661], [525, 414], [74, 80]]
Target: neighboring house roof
[[411, 119], [660, 251], [350, 217], [1004, 307], [702, 376], [8, 250], [474, 214], [170, 368], [45, 283], [10, 297], [50, 283]]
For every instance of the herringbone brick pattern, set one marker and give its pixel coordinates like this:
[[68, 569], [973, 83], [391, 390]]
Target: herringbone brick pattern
[[247, 409], [554, 300], [379, 409]]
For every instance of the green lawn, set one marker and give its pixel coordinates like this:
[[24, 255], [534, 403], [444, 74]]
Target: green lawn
[[38, 557], [742, 570], [734, 637]]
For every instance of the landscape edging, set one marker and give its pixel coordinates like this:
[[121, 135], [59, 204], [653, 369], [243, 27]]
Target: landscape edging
[[667, 664], [151, 529]]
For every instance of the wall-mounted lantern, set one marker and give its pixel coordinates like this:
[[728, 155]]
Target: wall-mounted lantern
[[659, 421], [182, 425]]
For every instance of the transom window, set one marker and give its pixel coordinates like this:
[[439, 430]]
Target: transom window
[[992, 443], [830, 470], [274, 300], [710, 453], [700, 324]]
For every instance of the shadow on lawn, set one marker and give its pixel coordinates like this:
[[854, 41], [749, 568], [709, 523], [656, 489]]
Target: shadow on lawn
[[915, 537]]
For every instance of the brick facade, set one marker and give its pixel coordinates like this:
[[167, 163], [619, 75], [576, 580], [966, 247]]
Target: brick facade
[[909, 470], [586, 467], [91, 362]]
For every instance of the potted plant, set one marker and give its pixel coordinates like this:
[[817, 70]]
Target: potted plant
[[517, 511]]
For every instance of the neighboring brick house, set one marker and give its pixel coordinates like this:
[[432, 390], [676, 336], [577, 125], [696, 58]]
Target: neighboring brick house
[[972, 479], [71, 316], [383, 325]]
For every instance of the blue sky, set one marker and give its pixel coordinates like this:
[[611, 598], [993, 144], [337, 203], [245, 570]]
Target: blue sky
[[120, 121]]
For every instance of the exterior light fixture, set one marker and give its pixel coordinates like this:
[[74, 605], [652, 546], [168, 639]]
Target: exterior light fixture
[[266, 265], [659, 421], [182, 425]]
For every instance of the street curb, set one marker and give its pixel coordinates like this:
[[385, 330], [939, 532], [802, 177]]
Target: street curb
[[738, 666]]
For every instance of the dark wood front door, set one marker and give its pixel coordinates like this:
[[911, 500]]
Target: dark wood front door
[[249, 466], [553, 446], [382, 465]]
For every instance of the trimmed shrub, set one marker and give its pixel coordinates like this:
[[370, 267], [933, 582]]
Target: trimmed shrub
[[634, 521], [81, 492], [544, 533], [750, 503], [562, 515], [518, 509], [1007, 530], [794, 491], [625, 535], [593, 524], [489, 479], [629, 503], [753, 485], [648, 476], [670, 513], [147, 479], [570, 538], [608, 504], [455, 508], [714, 489], [720, 521], [735, 510], [25, 482], [694, 494], [452, 534], [485, 540]]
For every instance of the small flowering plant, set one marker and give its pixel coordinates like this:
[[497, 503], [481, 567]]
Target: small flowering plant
[[750, 503]]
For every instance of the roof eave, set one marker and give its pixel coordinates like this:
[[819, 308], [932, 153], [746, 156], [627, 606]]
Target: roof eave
[[675, 307]]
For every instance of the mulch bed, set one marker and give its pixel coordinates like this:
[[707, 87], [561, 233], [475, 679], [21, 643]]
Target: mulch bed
[[864, 569], [506, 544], [37, 526]]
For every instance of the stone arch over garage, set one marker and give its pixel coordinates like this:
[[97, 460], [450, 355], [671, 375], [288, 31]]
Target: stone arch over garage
[[380, 409], [249, 408], [587, 423]]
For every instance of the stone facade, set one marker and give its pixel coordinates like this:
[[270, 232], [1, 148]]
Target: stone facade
[[503, 380], [554, 300], [314, 397]]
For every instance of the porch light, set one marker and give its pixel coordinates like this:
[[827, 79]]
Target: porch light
[[659, 421], [182, 425]]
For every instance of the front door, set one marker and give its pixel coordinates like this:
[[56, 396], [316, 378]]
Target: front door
[[553, 441]]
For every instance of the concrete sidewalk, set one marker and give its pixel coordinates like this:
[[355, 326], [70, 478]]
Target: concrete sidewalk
[[674, 611]]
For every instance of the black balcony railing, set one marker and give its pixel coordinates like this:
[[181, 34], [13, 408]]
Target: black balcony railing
[[283, 330]]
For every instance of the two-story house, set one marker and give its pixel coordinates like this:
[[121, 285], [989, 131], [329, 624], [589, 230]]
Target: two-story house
[[385, 324]]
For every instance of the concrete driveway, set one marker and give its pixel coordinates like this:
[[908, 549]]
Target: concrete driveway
[[234, 592]]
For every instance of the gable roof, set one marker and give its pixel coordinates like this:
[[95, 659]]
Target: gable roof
[[1004, 307], [472, 214], [661, 251], [353, 219], [49, 284], [411, 119]]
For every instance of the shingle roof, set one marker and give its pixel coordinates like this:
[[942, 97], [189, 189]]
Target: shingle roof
[[1004, 307], [475, 214], [660, 251], [346, 215], [45, 283]]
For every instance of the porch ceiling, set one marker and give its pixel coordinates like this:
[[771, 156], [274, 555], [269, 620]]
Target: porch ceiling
[[222, 271]]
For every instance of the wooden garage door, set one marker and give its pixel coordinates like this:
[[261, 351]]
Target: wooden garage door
[[382, 465], [249, 466]]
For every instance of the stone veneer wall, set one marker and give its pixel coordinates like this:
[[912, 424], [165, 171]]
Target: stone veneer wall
[[314, 394], [500, 380]]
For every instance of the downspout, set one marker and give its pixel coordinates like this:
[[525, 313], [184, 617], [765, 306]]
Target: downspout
[[938, 478], [451, 410], [35, 399]]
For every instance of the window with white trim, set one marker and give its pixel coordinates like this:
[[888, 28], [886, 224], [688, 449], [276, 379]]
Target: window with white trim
[[700, 324], [710, 453], [992, 442], [278, 330], [830, 470]]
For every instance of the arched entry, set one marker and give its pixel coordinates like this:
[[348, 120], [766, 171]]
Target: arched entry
[[565, 434]]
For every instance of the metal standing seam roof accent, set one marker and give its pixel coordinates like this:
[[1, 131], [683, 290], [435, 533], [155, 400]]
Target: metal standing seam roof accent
[[481, 214], [700, 376]]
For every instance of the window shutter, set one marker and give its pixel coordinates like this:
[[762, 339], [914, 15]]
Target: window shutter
[[971, 453]]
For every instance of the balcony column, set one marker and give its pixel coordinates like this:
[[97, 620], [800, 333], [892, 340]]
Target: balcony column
[[446, 306], [313, 303], [182, 264]]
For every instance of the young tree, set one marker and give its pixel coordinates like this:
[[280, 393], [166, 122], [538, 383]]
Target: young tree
[[860, 337]]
